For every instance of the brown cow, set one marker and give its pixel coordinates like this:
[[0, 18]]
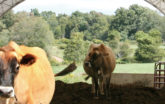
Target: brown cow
[[29, 71], [99, 64]]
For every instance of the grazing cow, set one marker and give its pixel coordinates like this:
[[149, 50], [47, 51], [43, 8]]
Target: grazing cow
[[99, 64], [28, 70]]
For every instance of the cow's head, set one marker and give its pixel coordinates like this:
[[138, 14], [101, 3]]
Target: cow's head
[[10, 62], [95, 56]]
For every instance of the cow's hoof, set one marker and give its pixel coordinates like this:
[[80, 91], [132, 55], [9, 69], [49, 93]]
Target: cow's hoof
[[108, 98], [95, 97], [102, 93]]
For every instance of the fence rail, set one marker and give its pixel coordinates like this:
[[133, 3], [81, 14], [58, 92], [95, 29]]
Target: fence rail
[[159, 75]]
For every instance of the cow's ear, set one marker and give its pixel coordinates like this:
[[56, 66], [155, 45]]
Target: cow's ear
[[102, 46], [28, 59], [103, 49]]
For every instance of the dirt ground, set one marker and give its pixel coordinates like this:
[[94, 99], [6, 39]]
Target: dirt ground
[[79, 93]]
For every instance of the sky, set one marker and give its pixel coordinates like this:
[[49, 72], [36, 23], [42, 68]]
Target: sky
[[68, 6]]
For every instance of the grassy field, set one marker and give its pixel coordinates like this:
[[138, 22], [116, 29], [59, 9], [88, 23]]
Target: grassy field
[[78, 75]]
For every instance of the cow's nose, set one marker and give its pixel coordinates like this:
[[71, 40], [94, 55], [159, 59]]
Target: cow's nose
[[6, 91], [86, 63]]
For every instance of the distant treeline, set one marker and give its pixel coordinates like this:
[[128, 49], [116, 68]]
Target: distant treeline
[[140, 24], [95, 25]]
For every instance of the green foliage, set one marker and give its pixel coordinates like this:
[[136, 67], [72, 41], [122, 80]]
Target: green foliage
[[62, 43], [4, 34], [2, 26], [125, 52], [35, 12], [75, 32], [129, 21], [47, 14], [156, 35], [32, 31], [93, 25], [161, 27], [148, 46], [8, 19], [75, 49], [113, 37]]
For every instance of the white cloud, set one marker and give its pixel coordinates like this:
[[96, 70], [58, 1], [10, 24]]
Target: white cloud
[[68, 6]]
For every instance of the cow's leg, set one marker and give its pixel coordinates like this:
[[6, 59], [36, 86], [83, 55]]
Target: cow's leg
[[106, 85], [109, 86], [101, 85], [96, 87], [93, 86]]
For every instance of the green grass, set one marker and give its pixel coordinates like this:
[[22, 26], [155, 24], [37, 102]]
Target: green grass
[[135, 68], [78, 74]]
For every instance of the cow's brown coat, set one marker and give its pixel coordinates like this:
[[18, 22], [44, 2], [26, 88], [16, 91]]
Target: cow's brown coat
[[101, 67]]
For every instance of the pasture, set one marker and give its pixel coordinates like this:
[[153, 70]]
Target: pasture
[[78, 75]]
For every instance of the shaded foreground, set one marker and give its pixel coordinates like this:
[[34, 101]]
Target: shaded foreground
[[79, 93]]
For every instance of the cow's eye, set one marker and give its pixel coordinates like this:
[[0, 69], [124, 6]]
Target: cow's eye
[[17, 67]]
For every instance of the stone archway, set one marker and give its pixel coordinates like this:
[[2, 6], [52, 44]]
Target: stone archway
[[159, 4], [6, 5]]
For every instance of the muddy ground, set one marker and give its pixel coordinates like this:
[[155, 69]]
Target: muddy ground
[[79, 93]]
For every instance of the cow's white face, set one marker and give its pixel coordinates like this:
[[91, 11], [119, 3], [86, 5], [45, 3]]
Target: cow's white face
[[9, 67]]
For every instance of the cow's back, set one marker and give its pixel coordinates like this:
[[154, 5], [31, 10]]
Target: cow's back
[[109, 60], [36, 80]]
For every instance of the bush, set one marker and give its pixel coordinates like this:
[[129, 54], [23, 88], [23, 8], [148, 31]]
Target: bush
[[75, 50], [32, 31], [62, 46], [148, 46]]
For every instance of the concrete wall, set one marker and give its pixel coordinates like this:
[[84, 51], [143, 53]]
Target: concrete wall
[[129, 78]]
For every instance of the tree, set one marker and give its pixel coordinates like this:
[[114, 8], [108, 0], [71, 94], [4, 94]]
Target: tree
[[113, 37], [75, 50], [32, 31], [47, 14], [62, 22], [148, 47], [156, 35], [98, 24], [8, 19], [53, 23], [2, 26], [4, 34], [136, 18], [161, 27], [76, 23], [35, 12], [125, 53]]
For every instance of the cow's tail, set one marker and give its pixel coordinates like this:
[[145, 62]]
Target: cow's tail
[[70, 68], [86, 78]]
